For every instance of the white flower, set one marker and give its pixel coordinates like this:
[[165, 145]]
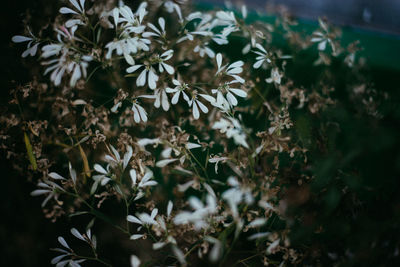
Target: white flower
[[179, 88], [170, 6], [226, 18], [139, 114], [129, 20], [275, 76], [103, 178], [230, 94], [217, 160], [322, 37], [144, 218], [152, 77], [129, 40], [216, 251], [66, 251], [144, 182], [201, 216], [262, 57], [127, 46], [196, 104], [79, 8], [203, 49], [161, 98], [115, 159], [47, 187], [156, 32], [230, 69], [32, 46], [67, 62], [161, 62], [51, 188], [232, 128], [236, 195]]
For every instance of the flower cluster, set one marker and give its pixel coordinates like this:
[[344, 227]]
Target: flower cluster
[[185, 135]]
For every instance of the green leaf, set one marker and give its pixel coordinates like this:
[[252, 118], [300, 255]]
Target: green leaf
[[29, 151]]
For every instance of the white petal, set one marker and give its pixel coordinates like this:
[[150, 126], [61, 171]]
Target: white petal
[[63, 242], [219, 60], [192, 145], [238, 92], [135, 237], [72, 173], [164, 162], [161, 21], [132, 173], [322, 45], [168, 68], [136, 115], [20, 39], [99, 169], [169, 208], [77, 234], [135, 261], [196, 113], [133, 68], [152, 79], [165, 102], [261, 48], [39, 192], [66, 10], [202, 107], [56, 176], [141, 80], [76, 5], [142, 113], [116, 16], [175, 98], [133, 219], [258, 64]]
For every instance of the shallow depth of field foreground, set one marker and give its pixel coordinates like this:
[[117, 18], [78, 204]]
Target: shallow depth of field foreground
[[172, 133]]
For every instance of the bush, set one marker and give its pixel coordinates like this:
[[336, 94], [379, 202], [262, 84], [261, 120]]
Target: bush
[[195, 138]]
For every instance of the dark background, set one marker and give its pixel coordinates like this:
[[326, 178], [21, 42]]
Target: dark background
[[377, 15], [25, 234]]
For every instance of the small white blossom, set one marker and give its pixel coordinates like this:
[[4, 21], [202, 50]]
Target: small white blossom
[[67, 61], [201, 215], [322, 37], [236, 195], [161, 62], [170, 6], [275, 76], [51, 188], [230, 69], [139, 113], [148, 73], [230, 94], [197, 105], [145, 181], [262, 57], [232, 128], [32, 46], [160, 33], [144, 218], [203, 50], [179, 88], [79, 8]]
